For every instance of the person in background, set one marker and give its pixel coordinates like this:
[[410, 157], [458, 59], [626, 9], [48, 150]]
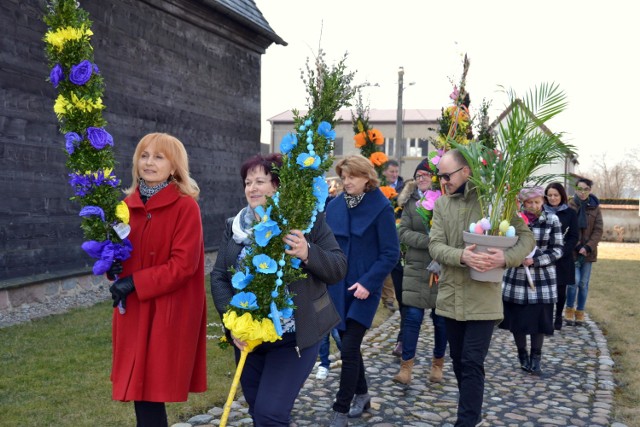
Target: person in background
[[417, 293], [392, 286], [585, 253], [275, 371], [159, 343], [363, 223], [335, 188], [529, 305], [556, 203], [471, 308]]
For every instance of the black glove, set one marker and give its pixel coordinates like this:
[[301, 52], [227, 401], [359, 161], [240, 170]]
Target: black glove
[[120, 289], [114, 270]]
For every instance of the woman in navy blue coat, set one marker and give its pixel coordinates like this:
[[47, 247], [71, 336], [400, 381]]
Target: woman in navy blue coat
[[363, 223]]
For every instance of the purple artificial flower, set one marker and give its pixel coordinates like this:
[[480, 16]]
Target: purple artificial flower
[[94, 248], [72, 139], [56, 75], [96, 69], [81, 183], [81, 73], [92, 211], [106, 252], [99, 137]]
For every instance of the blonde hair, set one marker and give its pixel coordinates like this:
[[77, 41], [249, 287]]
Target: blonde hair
[[171, 147], [359, 166]]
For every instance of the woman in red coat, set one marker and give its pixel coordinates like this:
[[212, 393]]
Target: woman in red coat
[[159, 343]]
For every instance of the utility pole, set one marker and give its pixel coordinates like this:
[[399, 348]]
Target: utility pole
[[398, 151]]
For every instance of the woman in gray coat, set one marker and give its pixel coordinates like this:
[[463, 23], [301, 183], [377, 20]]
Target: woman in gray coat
[[418, 293]]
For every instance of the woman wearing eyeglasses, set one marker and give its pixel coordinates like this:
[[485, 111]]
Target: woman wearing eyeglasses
[[586, 251]]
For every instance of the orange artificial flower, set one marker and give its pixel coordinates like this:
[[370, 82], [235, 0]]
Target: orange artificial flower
[[378, 158], [388, 192], [376, 136], [360, 139]]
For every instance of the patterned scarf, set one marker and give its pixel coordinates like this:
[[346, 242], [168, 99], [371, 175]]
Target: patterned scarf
[[242, 226], [353, 201], [146, 191]]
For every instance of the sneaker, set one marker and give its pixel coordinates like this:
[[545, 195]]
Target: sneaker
[[322, 373]]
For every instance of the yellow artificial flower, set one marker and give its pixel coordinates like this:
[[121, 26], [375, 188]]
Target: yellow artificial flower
[[122, 212], [248, 329], [59, 37], [61, 105]]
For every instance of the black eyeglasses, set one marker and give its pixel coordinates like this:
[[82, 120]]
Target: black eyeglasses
[[447, 176]]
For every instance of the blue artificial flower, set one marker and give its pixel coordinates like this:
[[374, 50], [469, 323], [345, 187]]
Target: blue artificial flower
[[81, 72], [276, 198], [263, 214], [320, 189], [308, 162], [324, 129], [71, 141], [245, 300], [288, 142], [81, 183], [287, 311], [265, 264], [295, 262], [240, 280], [56, 75], [264, 231], [308, 122], [275, 318], [92, 211], [99, 137]]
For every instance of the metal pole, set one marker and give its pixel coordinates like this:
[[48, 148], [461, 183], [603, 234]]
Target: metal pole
[[399, 143]]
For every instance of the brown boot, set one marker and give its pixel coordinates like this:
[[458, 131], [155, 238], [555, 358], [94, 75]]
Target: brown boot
[[579, 317], [435, 376], [404, 376], [570, 316]]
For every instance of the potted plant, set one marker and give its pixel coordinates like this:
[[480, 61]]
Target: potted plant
[[523, 145]]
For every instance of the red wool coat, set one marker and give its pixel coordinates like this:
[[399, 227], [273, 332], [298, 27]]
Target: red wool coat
[[159, 344]]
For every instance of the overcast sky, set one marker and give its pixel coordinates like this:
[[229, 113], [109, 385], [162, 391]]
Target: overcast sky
[[587, 47]]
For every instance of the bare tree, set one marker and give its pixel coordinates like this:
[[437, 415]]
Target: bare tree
[[617, 181]]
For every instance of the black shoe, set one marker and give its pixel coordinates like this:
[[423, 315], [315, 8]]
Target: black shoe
[[557, 325], [523, 358], [361, 402], [535, 364]]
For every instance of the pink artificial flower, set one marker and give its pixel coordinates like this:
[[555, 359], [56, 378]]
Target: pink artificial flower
[[484, 162], [454, 95], [435, 160], [430, 199]]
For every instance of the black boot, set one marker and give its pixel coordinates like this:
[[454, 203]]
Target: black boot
[[523, 357], [535, 364]]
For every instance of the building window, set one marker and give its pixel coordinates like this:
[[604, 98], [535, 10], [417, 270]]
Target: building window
[[417, 147], [388, 146]]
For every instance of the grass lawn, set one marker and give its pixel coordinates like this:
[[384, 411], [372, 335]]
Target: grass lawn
[[55, 370], [614, 304]]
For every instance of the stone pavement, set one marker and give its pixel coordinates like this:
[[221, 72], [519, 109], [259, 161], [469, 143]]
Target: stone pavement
[[576, 388]]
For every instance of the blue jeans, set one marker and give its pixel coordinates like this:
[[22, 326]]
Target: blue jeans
[[325, 346], [413, 317], [468, 346], [581, 288]]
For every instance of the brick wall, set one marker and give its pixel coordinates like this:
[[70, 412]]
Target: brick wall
[[188, 72]]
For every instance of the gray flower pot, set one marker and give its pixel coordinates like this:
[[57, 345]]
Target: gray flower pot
[[484, 242]]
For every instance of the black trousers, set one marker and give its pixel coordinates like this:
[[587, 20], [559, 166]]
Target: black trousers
[[150, 414], [352, 376], [468, 345]]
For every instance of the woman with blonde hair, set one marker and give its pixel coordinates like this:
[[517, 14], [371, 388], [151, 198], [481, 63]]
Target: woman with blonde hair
[[159, 342], [363, 223]]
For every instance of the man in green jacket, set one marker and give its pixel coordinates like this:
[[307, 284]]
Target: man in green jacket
[[471, 308]]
